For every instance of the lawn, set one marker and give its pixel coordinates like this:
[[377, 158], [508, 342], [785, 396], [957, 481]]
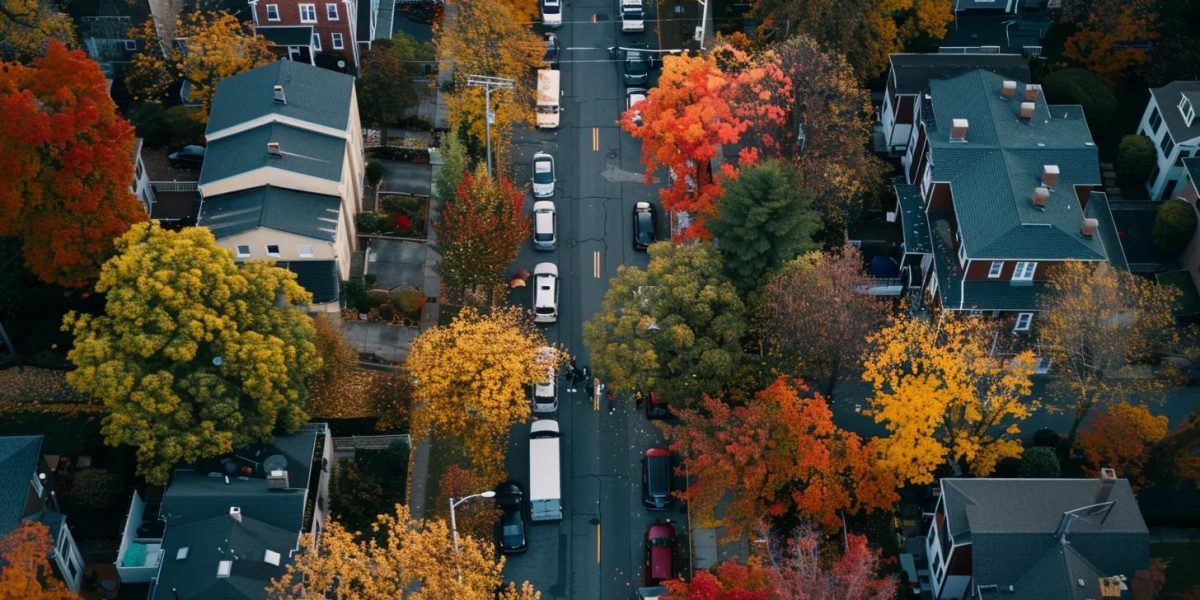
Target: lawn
[[1182, 573]]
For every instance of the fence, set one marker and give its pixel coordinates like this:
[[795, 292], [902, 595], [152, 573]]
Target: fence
[[369, 442], [175, 186]]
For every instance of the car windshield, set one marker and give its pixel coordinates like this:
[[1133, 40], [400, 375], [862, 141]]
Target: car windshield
[[543, 172], [635, 64], [550, 7], [633, 13], [645, 227]]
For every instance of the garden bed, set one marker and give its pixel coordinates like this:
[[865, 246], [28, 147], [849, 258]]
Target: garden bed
[[401, 153], [396, 215]]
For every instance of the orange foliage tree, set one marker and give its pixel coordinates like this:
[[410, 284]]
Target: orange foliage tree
[[726, 581], [700, 104], [25, 573], [66, 166], [1109, 33], [783, 454], [1120, 436]]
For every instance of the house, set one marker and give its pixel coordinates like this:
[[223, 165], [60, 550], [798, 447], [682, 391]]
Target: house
[[1190, 258], [141, 179], [1001, 186], [909, 76], [230, 525], [1036, 539], [26, 493], [1004, 6], [1170, 122], [326, 34], [283, 172]]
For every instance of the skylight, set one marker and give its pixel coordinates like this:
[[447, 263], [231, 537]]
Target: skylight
[[272, 558], [1186, 109], [224, 568]]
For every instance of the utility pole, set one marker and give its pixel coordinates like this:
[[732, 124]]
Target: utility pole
[[488, 84]]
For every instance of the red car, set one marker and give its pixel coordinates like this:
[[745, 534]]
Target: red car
[[657, 407], [660, 553]]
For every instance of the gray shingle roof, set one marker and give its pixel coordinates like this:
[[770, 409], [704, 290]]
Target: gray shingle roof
[[302, 213], [319, 277], [313, 94], [289, 35], [210, 541], [18, 459], [1167, 97], [302, 151], [993, 174], [916, 227], [913, 72]]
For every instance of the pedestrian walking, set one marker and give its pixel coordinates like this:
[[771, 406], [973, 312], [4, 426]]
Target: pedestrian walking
[[638, 398], [586, 374], [591, 386], [608, 395]]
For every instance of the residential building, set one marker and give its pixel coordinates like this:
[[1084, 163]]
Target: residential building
[[230, 525], [141, 179], [1036, 539], [1191, 255], [1170, 122], [1000, 188], [1004, 6], [27, 494], [909, 76], [326, 34], [283, 172]]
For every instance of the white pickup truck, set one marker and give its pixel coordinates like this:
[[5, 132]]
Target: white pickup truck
[[633, 15]]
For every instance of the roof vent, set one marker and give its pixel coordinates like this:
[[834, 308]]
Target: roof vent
[[1031, 91], [1008, 89], [1111, 588], [1027, 110], [272, 557], [279, 97], [1108, 478], [224, 568], [1041, 196], [1089, 228], [1050, 175], [182, 553], [273, 149], [958, 130], [235, 513], [277, 480]]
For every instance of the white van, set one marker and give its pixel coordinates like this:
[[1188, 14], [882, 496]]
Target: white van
[[545, 293], [549, 98], [633, 17], [545, 487]]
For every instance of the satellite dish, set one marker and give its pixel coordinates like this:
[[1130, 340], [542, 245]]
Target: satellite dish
[[275, 462]]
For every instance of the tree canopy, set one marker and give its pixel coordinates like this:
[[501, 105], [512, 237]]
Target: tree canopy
[[28, 26], [385, 86], [1111, 35], [479, 230], [1120, 436], [25, 571], [1174, 226], [193, 355], [1085, 88]]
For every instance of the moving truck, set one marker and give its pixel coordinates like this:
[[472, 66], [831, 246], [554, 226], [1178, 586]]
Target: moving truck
[[548, 97], [545, 486], [633, 18]]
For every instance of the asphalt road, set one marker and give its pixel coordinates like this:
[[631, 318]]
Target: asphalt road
[[597, 551]]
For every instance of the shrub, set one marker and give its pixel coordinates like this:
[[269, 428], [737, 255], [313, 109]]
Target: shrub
[[1046, 438], [1174, 226], [1039, 462], [401, 222], [369, 222], [413, 155], [147, 118], [409, 301], [374, 173], [97, 489], [183, 125], [357, 296], [1135, 158], [1083, 87]]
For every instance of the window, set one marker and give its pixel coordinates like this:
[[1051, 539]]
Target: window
[[308, 13], [1024, 271], [137, 168], [243, 251], [995, 269], [331, 12], [130, 45], [1023, 321], [962, 253], [1185, 109], [1153, 176], [337, 41], [1167, 144], [1155, 120], [305, 251], [272, 12], [316, 41], [273, 250]]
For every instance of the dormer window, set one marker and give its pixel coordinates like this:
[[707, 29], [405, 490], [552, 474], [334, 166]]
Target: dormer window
[[1186, 109]]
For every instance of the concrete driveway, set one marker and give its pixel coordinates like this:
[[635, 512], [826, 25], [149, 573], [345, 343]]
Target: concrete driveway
[[396, 263], [404, 177]]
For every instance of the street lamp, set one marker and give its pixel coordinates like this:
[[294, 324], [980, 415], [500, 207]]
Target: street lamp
[[488, 84], [454, 523]]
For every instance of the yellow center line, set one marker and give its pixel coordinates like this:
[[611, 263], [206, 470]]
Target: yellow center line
[[596, 139], [597, 543], [596, 264], [593, 17]]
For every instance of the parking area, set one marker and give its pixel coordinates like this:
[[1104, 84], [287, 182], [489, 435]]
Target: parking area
[[396, 263]]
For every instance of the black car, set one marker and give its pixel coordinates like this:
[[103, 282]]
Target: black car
[[644, 222], [187, 157], [552, 51], [656, 479], [510, 531], [637, 67]]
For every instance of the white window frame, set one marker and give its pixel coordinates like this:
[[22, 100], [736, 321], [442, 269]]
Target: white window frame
[[241, 254], [272, 9], [331, 12], [1020, 272], [1024, 321], [308, 13], [131, 45], [1187, 110], [927, 181], [995, 269], [316, 41], [304, 250], [338, 44], [274, 254], [962, 254]]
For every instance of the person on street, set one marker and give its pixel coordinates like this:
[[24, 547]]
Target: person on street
[[608, 395], [638, 398], [591, 386]]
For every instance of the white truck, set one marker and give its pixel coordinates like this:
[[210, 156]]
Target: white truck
[[549, 98], [545, 485], [633, 15]]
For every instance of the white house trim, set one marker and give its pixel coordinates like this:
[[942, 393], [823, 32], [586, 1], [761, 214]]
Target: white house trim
[[276, 118]]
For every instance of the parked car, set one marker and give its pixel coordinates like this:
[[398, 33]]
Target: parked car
[[637, 67], [552, 51], [657, 407], [187, 157], [552, 13], [545, 293], [510, 531], [545, 225], [657, 479], [660, 553], [545, 393], [632, 97], [543, 175], [644, 223]]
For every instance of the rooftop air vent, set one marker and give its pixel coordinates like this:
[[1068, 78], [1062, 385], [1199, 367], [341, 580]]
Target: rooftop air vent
[[1049, 175], [1031, 92], [277, 480], [273, 149], [1041, 196], [1027, 110], [1008, 89], [958, 130], [235, 513], [280, 98], [1089, 227]]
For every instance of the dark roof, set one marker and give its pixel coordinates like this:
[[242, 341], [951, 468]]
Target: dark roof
[[302, 213], [1009, 34], [18, 460], [302, 151], [287, 35], [319, 277], [365, 9], [1167, 97], [384, 19], [912, 219], [1011, 525], [992, 175], [913, 72], [313, 94], [210, 541]]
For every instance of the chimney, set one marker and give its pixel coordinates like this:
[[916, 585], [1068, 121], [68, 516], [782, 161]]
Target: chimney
[[958, 130], [1088, 229], [279, 97], [1041, 196], [1008, 89], [277, 480], [1108, 475], [1027, 110], [1049, 175], [1111, 588], [235, 513], [1031, 91], [273, 149]]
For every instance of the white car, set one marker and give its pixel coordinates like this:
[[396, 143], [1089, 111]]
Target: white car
[[545, 226], [543, 175], [632, 97], [552, 13], [545, 293], [545, 393]]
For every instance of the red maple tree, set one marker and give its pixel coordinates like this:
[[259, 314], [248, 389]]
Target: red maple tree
[[66, 166], [726, 581], [853, 575], [479, 231], [24, 571]]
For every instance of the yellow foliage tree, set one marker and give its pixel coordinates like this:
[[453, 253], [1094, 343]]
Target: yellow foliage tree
[[943, 396], [1107, 42], [404, 554], [471, 381], [1120, 436], [27, 26]]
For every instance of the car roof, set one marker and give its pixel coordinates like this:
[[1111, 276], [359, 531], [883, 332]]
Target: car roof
[[658, 452], [660, 530], [546, 268], [642, 206], [541, 205]]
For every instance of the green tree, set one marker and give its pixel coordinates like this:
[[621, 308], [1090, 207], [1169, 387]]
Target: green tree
[[1174, 226], [1039, 462], [385, 85], [192, 355], [674, 328], [1135, 158], [1085, 88], [455, 164], [479, 232], [763, 220]]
